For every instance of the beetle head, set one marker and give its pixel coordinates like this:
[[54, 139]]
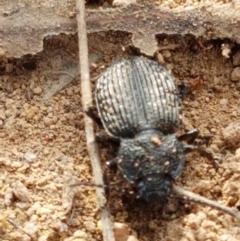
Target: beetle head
[[154, 188]]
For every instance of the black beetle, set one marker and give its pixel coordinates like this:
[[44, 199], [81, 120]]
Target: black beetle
[[138, 104]]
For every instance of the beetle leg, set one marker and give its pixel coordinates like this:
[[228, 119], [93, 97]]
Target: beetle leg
[[183, 89], [91, 112], [110, 166], [189, 137], [189, 148], [204, 140], [192, 142], [105, 138]]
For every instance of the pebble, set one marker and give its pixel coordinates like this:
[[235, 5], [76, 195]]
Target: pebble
[[37, 90], [123, 3], [236, 94], [2, 52], [30, 228], [194, 220], [213, 130], [8, 196], [47, 121], [20, 191], [237, 152], [60, 227], [160, 58], [9, 104], [166, 54], [231, 134], [121, 231], [46, 151], [42, 210], [235, 75], [30, 156], [223, 102], [9, 68], [236, 59], [43, 238], [80, 234], [90, 226], [169, 66], [132, 238], [152, 225], [54, 119]]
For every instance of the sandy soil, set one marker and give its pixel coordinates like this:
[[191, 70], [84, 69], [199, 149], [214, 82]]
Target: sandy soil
[[43, 146]]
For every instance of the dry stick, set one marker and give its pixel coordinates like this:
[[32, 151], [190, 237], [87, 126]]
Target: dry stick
[[86, 102], [199, 199], [17, 226]]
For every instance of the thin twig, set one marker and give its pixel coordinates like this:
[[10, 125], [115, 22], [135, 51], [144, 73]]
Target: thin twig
[[202, 200], [86, 102], [17, 226]]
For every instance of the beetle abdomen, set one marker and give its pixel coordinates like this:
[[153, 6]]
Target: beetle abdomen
[[136, 94]]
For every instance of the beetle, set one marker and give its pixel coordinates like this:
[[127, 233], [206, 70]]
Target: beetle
[[139, 105]]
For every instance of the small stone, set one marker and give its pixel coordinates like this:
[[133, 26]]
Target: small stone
[[2, 52], [43, 238], [121, 231], [170, 66], [236, 59], [42, 210], [213, 130], [54, 119], [90, 226], [160, 58], [214, 148], [9, 104], [8, 196], [236, 94], [235, 76], [46, 151], [237, 152], [166, 54], [80, 234], [226, 50], [60, 226], [99, 225], [47, 121], [31, 228], [152, 225], [9, 68], [71, 14], [123, 3], [37, 90], [30, 156], [20, 191], [132, 238], [231, 134], [223, 102]]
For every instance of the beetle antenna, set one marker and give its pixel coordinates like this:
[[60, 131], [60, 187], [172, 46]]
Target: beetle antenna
[[179, 192], [104, 186]]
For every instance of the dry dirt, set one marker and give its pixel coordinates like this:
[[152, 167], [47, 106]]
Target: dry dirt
[[43, 146]]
